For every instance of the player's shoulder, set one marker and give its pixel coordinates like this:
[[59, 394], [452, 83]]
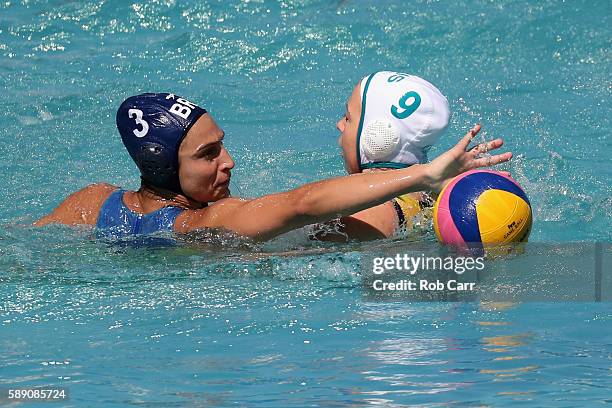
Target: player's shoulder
[[91, 197], [211, 216], [96, 192], [80, 207]]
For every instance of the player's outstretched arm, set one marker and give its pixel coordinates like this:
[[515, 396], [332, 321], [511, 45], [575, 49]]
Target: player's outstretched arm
[[265, 217]]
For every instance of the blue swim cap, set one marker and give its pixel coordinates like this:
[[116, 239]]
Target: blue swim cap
[[152, 127]]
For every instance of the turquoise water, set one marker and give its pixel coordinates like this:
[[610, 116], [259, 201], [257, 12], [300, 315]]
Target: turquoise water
[[224, 323]]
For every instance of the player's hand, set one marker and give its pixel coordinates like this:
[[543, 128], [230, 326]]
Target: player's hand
[[459, 159]]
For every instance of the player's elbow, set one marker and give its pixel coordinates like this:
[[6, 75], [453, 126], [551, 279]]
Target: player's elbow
[[305, 204]]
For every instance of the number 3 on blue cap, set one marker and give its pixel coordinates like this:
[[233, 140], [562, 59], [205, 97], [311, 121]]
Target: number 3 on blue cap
[[137, 113], [407, 109]]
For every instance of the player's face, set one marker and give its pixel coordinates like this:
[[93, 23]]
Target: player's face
[[204, 163], [348, 126]]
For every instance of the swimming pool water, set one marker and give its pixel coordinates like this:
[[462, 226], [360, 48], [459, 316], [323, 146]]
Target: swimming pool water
[[225, 323]]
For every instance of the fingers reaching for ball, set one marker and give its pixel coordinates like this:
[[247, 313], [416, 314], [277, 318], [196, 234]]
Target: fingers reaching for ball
[[492, 160], [459, 159], [479, 150], [467, 139], [487, 146]]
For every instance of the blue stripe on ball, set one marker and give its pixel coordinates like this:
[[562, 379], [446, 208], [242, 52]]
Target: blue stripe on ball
[[462, 200]]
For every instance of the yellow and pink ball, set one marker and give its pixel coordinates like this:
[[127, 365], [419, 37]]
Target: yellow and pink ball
[[482, 208]]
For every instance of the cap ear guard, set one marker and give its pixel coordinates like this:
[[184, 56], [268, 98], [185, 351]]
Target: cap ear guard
[[156, 168], [380, 140]]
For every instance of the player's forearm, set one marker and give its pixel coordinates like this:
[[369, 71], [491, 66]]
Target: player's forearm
[[265, 217], [326, 199]]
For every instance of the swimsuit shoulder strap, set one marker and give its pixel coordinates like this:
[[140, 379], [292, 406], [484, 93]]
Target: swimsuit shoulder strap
[[111, 208]]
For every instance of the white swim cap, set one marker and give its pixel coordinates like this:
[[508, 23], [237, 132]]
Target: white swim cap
[[402, 115]]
